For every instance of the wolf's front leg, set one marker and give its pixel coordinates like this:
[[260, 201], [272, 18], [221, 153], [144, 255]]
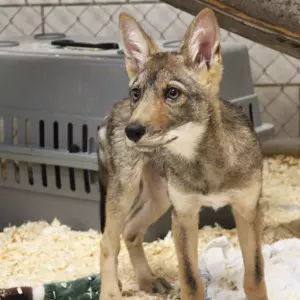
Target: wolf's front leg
[[185, 232], [153, 203], [134, 237], [118, 202], [249, 225], [185, 222]]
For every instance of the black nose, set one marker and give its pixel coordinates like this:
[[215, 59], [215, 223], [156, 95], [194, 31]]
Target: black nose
[[135, 131]]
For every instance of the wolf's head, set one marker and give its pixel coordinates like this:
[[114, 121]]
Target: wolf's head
[[172, 94]]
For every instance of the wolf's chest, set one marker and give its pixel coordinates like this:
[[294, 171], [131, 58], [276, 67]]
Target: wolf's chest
[[193, 201], [215, 201]]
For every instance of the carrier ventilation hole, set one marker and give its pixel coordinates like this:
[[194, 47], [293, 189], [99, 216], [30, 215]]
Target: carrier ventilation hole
[[56, 146], [85, 145], [42, 145], [251, 114], [3, 161], [71, 149], [1, 130], [93, 174], [15, 142], [27, 142]]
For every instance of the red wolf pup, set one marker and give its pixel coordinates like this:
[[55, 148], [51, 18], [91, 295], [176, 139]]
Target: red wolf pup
[[173, 143]]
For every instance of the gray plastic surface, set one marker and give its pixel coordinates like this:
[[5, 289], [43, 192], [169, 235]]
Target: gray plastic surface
[[52, 102]]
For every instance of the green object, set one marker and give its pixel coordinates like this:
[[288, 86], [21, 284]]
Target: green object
[[86, 288]]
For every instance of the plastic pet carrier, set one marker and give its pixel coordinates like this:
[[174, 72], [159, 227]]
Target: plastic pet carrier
[[54, 94]]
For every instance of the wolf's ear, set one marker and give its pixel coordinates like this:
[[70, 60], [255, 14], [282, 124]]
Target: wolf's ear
[[201, 43], [137, 44]]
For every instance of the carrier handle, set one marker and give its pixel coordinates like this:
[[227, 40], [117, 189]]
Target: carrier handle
[[71, 43], [62, 158]]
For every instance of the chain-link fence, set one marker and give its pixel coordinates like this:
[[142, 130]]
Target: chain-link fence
[[276, 76]]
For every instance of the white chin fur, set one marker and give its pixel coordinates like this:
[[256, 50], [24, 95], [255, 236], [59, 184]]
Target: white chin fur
[[188, 137]]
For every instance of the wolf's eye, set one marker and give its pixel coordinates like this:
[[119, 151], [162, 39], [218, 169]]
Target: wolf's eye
[[135, 94], [172, 93]]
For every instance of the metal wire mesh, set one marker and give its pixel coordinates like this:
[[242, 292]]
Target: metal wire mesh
[[276, 76]]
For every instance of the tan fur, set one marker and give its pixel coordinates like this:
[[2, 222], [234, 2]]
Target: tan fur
[[249, 232], [184, 229], [158, 116], [192, 150], [153, 114]]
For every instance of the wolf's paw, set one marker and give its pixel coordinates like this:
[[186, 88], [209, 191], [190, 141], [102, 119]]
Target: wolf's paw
[[110, 295], [155, 285], [111, 292]]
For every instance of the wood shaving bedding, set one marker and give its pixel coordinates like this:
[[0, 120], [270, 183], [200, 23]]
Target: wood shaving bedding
[[37, 253], [281, 190]]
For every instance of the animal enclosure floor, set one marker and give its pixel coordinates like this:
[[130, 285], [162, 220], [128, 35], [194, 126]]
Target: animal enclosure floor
[[37, 253]]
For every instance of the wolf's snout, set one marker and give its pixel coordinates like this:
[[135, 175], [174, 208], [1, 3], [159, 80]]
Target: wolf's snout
[[135, 131]]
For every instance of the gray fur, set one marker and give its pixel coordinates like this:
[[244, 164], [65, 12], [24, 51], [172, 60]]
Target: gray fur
[[209, 171]]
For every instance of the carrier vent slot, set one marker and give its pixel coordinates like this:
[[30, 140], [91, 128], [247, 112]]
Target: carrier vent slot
[[27, 142], [251, 114], [15, 142], [84, 138], [93, 174], [42, 145], [56, 146], [86, 180], [72, 149], [1, 129], [3, 162]]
